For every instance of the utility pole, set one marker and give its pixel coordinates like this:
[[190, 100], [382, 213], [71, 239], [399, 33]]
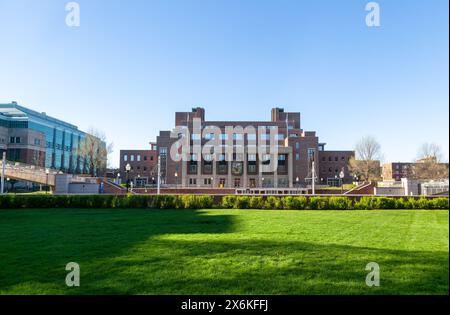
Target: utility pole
[[159, 175], [2, 188]]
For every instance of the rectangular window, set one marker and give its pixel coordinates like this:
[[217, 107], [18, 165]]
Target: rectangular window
[[311, 153], [252, 157], [18, 140], [297, 156], [162, 151], [297, 146], [12, 140], [132, 158], [209, 136], [280, 136], [138, 157], [237, 136], [125, 157]]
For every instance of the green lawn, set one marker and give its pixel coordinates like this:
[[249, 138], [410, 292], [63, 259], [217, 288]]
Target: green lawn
[[223, 251]]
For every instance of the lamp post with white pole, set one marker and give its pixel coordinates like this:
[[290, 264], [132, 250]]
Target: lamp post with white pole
[[128, 169], [341, 176], [47, 171]]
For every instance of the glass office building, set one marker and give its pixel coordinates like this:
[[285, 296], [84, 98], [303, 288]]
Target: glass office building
[[35, 138]]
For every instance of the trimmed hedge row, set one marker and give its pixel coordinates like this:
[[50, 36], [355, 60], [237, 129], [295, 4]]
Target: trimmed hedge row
[[208, 202], [332, 203], [107, 201]]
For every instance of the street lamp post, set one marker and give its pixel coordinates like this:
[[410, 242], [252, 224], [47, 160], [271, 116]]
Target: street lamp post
[[341, 176], [297, 182], [176, 180], [47, 171], [118, 178], [128, 169], [212, 182], [262, 181]]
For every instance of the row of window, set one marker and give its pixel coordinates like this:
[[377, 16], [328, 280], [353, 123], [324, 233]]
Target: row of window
[[252, 182], [137, 168], [138, 157], [250, 157], [236, 136], [336, 159]]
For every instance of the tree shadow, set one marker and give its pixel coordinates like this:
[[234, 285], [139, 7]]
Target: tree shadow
[[36, 245], [266, 267]]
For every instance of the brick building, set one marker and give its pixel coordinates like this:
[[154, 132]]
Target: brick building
[[244, 166], [142, 166], [397, 170]]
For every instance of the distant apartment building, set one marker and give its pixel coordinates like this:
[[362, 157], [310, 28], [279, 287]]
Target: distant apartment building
[[35, 138], [397, 170], [332, 163], [142, 166], [244, 167]]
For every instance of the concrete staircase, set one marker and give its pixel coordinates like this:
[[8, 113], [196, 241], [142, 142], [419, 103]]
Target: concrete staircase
[[112, 188], [367, 188]]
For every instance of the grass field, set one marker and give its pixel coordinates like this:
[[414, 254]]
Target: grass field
[[223, 251]]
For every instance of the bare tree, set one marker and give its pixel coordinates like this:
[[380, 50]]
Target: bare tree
[[366, 164], [94, 151], [428, 164], [430, 151]]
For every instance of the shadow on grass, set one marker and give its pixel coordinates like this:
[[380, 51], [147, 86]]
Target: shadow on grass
[[264, 267], [36, 245], [136, 253]]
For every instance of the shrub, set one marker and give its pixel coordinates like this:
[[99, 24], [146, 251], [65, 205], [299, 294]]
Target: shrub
[[339, 203], [365, 203], [197, 202], [401, 203], [228, 201], [294, 203], [273, 203], [385, 203], [242, 202], [439, 203], [256, 202], [318, 203]]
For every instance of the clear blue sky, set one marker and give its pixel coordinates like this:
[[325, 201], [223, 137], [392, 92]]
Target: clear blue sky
[[132, 64]]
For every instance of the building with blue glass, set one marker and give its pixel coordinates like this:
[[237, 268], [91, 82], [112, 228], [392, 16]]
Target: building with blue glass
[[35, 138]]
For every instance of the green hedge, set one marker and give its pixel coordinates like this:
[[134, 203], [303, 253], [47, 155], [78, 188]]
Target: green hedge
[[229, 202], [331, 203]]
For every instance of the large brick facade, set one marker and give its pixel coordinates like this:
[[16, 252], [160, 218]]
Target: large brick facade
[[298, 151]]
